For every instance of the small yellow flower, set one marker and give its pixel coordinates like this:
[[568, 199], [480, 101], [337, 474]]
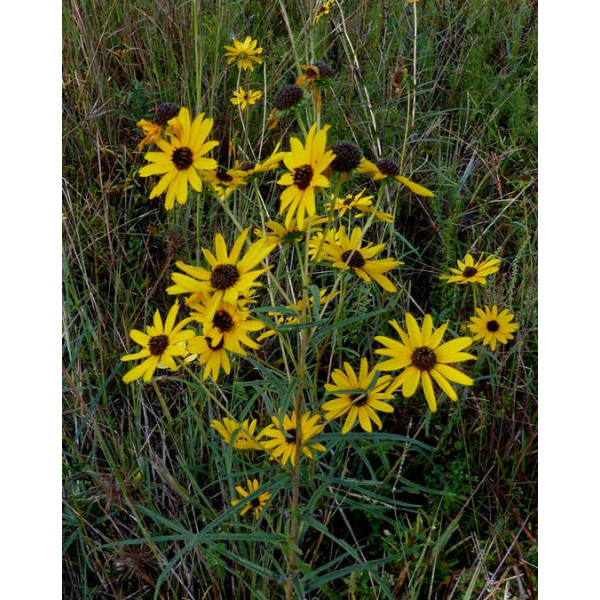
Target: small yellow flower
[[284, 433], [493, 326], [470, 271], [306, 164], [224, 181], [257, 504], [324, 9], [388, 167], [231, 275], [160, 344], [424, 359], [347, 253], [324, 298], [180, 158], [244, 54], [244, 98], [213, 357], [280, 234], [242, 433], [228, 324], [359, 397]]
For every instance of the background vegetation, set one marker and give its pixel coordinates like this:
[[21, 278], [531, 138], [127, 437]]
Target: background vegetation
[[450, 512]]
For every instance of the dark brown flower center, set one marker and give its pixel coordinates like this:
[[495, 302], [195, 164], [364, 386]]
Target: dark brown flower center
[[255, 503], [158, 344], [223, 321], [469, 272], [388, 166], [353, 258], [423, 358], [493, 326], [182, 158], [224, 276], [210, 344], [361, 401], [290, 435], [347, 156], [348, 201], [303, 176], [223, 176]]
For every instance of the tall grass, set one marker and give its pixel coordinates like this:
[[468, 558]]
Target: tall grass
[[434, 506]]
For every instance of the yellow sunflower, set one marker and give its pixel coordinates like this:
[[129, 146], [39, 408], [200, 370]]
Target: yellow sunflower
[[228, 324], [284, 433], [243, 434], [388, 167], [160, 344], [306, 165], [493, 326], [324, 298], [244, 54], [224, 181], [180, 158], [245, 98], [359, 397], [229, 276], [212, 356], [470, 271], [424, 359], [257, 504], [280, 234], [324, 9], [313, 78], [361, 203], [347, 253]]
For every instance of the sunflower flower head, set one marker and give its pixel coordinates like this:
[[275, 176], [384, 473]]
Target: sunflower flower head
[[228, 323], [224, 181], [230, 276], [244, 54], [358, 396], [347, 253], [424, 358], [243, 434], [470, 271], [324, 10], [280, 234], [287, 436], [159, 344], [181, 158], [313, 79], [212, 356], [389, 168], [351, 201], [257, 503], [244, 98], [491, 326], [306, 164]]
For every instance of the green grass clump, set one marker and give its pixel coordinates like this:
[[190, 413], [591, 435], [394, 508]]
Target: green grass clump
[[435, 505]]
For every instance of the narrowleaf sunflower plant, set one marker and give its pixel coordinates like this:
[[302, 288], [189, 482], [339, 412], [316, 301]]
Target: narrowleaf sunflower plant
[[288, 261]]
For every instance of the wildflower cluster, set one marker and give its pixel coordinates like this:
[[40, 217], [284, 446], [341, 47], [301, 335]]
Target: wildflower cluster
[[311, 257]]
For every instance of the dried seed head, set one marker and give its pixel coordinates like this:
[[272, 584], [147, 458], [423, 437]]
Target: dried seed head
[[347, 156], [388, 166], [165, 112], [287, 97]]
